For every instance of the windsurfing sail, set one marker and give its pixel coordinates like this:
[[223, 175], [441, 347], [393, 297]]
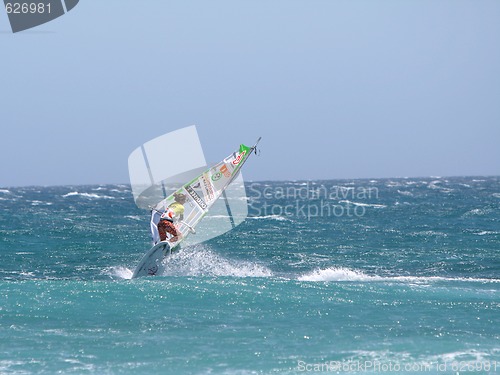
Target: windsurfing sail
[[153, 177], [194, 199]]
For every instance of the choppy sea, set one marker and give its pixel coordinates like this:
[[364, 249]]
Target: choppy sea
[[341, 276]]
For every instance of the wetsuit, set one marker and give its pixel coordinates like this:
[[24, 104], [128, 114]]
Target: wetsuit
[[164, 227]]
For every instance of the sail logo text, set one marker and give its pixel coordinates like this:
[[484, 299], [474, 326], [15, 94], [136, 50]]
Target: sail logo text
[[216, 176], [239, 158], [225, 171], [196, 197], [207, 188]]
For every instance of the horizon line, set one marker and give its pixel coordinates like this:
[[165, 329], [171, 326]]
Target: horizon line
[[258, 181]]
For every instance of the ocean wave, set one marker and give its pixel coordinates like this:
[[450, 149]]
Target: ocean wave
[[5, 191], [346, 274], [134, 217], [465, 358], [199, 262], [119, 272], [363, 204], [434, 185], [397, 203], [410, 183], [393, 184], [272, 217], [337, 274], [405, 193], [435, 363], [38, 203], [477, 212], [87, 195], [8, 366], [204, 262], [427, 233], [344, 188], [485, 232], [446, 190]]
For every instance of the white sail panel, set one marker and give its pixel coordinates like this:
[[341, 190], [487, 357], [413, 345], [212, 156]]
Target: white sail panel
[[174, 153], [140, 179], [162, 165]]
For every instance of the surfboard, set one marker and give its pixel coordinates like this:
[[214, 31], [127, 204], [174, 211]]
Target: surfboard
[[150, 263]]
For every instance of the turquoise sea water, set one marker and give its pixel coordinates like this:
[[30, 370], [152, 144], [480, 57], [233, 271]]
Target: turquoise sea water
[[346, 276]]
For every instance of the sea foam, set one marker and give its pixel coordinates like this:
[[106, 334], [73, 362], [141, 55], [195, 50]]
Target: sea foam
[[202, 261], [87, 195], [346, 274]]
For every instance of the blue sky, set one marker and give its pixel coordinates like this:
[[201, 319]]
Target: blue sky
[[337, 89]]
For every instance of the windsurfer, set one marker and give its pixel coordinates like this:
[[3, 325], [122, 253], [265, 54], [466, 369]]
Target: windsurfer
[[166, 225]]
